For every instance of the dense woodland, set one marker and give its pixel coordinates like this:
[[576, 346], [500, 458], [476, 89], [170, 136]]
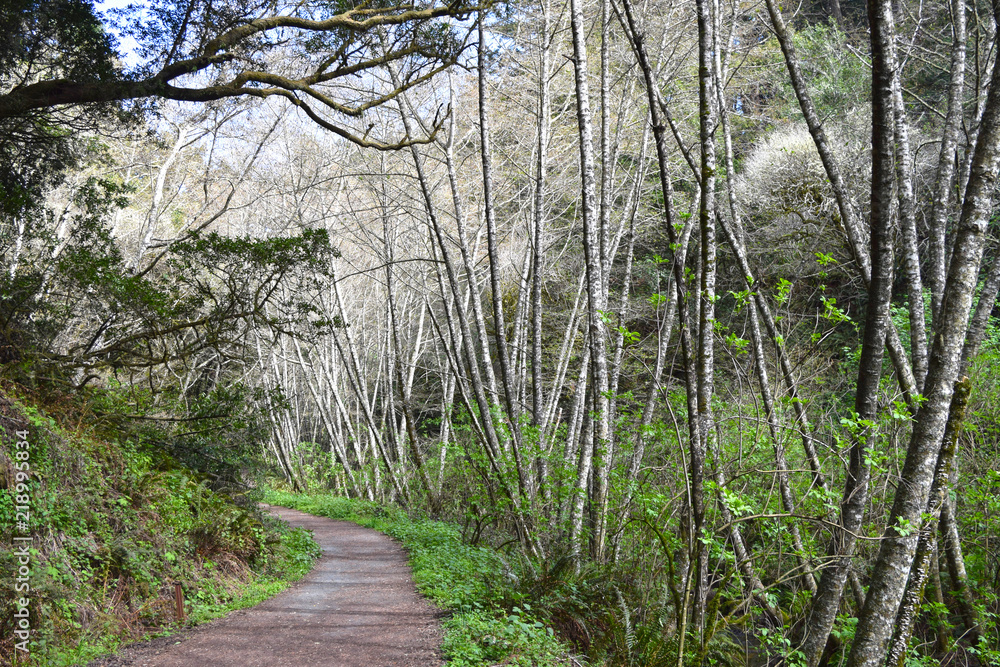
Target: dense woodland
[[693, 296]]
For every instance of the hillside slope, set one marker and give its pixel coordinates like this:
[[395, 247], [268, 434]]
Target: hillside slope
[[98, 526]]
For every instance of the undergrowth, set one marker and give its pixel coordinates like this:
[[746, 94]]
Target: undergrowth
[[113, 524], [489, 621]]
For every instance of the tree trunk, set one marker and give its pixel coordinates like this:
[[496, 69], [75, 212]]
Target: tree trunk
[[706, 295], [596, 297], [908, 235], [827, 601], [538, 218], [499, 321], [945, 175], [852, 229], [698, 576], [897, 548], [920, 569]]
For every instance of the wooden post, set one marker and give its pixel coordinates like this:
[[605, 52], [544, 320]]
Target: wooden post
[[179, 600]]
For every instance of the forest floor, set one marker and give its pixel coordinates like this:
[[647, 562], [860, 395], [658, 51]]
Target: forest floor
[[358, 606]]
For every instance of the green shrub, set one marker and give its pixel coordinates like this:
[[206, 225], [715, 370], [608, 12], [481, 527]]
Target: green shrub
[[474, 583], [114, 525]]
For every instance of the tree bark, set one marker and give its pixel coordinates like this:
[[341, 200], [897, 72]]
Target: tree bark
[[499, 321], [698, 577], [852, 229], [896, 552], [491, 442], [908, 235], [945, 175], [705, 369], [596, 297], [913, 595], [827, 601], [538, 217]]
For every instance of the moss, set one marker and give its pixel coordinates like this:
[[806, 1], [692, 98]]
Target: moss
[[113, 525]]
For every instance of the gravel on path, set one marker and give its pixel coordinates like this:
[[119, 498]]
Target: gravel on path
[[358, 607]]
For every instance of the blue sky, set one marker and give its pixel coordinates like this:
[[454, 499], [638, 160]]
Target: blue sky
[[127, 46]]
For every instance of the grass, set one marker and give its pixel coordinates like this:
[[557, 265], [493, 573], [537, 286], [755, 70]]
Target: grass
[[293, 560], [473, 584], [114, 523], [294, 557]]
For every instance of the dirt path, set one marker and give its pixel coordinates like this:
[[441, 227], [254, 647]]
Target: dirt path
[[357, 608]]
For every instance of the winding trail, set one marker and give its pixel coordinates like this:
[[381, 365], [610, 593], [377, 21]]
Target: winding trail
[[357, 608]]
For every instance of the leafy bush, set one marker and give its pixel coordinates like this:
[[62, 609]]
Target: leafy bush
[[115, 524], [485, 627]]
